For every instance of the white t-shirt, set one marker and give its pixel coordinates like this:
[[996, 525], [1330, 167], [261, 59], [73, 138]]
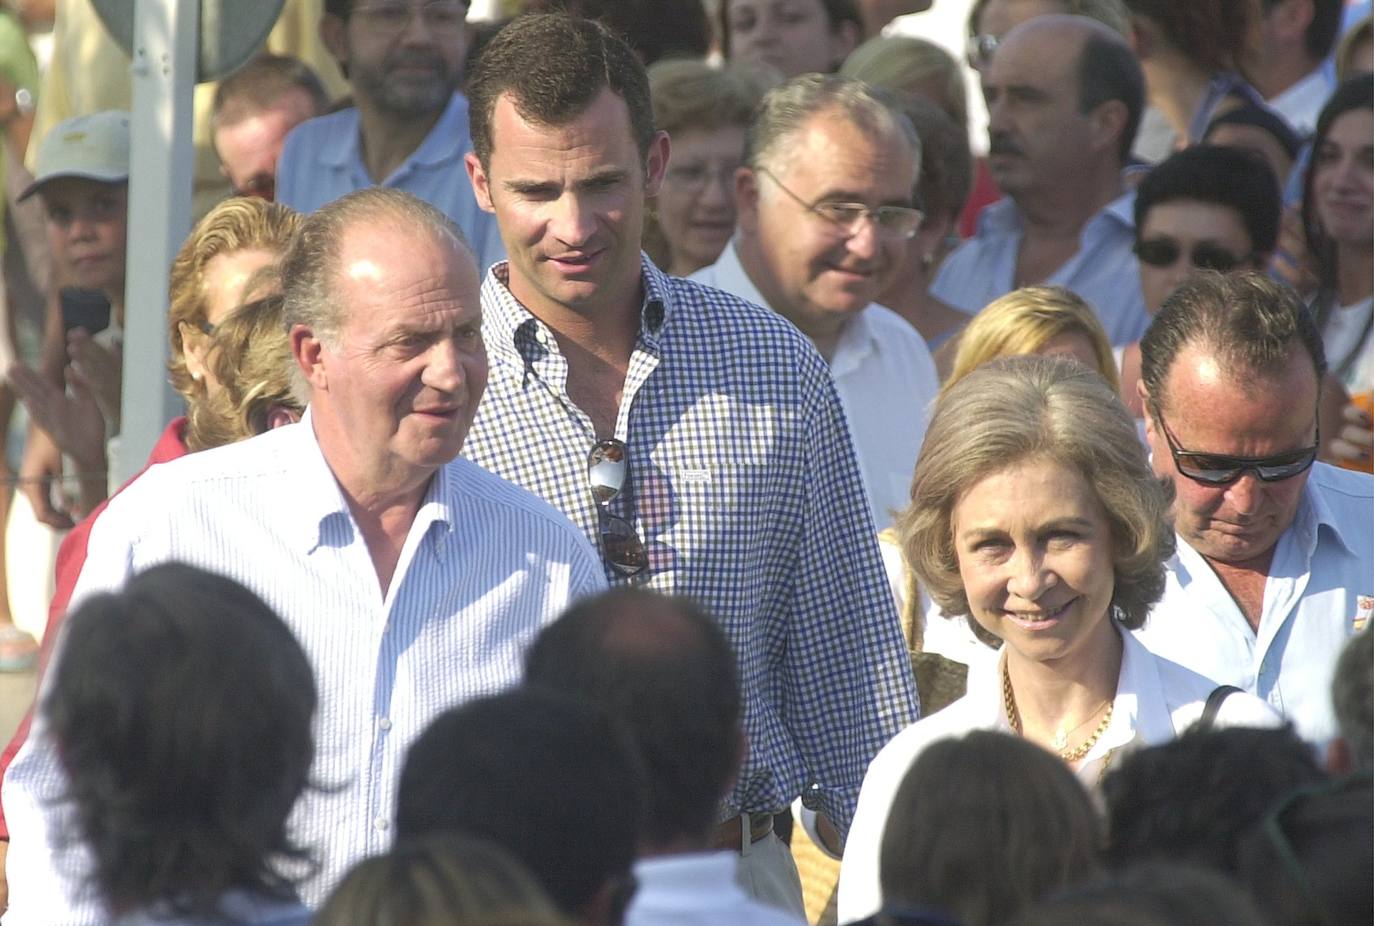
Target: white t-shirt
[[1346, 327]]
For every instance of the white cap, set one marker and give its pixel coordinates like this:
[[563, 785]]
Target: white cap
[[95, 147]]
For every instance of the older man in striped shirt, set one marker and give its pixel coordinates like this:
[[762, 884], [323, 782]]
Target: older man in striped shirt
[[413, 580]]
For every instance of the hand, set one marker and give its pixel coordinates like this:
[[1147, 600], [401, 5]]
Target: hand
[[42, 465], [1355, 442], [1291, 261], [102, 369], [73, 421]]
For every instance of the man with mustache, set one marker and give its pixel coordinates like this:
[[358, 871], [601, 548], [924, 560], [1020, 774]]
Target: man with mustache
[[408, 125], [825, 212], [1064, 97]]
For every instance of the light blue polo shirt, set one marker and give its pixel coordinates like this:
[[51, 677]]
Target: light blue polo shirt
[[323, 159], [1103, 271]]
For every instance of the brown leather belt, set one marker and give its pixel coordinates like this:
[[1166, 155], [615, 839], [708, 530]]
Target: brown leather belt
[[729, 835]]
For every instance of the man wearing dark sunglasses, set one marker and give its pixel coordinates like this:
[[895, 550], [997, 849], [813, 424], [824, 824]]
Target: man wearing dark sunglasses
[[1274, 568]]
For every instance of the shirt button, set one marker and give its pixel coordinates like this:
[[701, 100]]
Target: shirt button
[[384, 723], [381, 824]]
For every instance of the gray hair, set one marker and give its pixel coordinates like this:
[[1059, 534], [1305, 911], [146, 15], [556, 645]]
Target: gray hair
[[311, 264], [1031, 407], [787, 109]]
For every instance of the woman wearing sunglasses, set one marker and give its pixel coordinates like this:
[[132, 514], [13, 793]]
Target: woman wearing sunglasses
[[1035, 517], [1204, 208]]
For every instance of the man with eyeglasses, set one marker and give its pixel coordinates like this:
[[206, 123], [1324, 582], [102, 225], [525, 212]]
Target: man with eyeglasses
[[825, 212], [696, 438], [1065, 96], [1274, 568], [407, 127]]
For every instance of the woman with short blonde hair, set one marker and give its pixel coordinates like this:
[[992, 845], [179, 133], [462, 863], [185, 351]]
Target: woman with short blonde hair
[[1035, 320], [1035, 516]]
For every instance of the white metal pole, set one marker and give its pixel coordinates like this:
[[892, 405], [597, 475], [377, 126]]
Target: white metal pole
[[160, 179]]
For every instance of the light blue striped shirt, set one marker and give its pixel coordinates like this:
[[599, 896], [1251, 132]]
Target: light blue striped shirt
[[484, 567]]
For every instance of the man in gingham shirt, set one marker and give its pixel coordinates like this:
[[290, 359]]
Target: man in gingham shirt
[[696, 437]]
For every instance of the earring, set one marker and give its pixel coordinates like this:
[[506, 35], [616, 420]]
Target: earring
[[197, 376]]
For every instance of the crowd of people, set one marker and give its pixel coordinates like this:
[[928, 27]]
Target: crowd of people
[[639, 466]]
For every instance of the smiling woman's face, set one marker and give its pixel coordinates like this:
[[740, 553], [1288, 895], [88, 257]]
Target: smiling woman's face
[[1035, 554], [696, 203]]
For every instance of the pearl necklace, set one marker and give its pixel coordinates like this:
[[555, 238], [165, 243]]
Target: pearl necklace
[[1061, 737]]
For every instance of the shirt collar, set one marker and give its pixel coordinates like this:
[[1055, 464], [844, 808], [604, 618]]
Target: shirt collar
[[514, 333], [322, 511], [694, 881], [1003, 217], [857, 342], [1315, 514], [447, 141]]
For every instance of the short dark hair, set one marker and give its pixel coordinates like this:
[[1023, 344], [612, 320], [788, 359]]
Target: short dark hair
[[1108, 70], [553, 66], [1249, 322], [1191, 799], [173, 789], [1153, 894], [260, 83], [1220, 175], [548, 778], [662, 667], [986, 795], [1308, 861], [655, 29]]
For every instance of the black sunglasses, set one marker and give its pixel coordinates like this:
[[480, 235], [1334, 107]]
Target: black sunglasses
[[1212, 469], [1164, 252], [608, 474]]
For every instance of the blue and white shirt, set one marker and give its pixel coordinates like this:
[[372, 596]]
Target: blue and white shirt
[[745, 490], [485, 566], [322, 160]]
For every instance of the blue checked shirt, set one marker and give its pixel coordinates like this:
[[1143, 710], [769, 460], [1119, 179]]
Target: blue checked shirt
[[745, 489], [484, 567]]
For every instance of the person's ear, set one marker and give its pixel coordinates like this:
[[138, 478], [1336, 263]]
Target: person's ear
[[481, 183], [1108, 124], [1144, 394], [308, 352], [656, 165], [747, 200], [193, 350]]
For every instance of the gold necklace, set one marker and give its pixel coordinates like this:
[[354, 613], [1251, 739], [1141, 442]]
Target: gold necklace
[[1061, 738]]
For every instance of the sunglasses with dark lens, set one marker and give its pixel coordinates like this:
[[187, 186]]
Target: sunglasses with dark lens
[[1212, 469], [1164, 252], [608, 474]]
